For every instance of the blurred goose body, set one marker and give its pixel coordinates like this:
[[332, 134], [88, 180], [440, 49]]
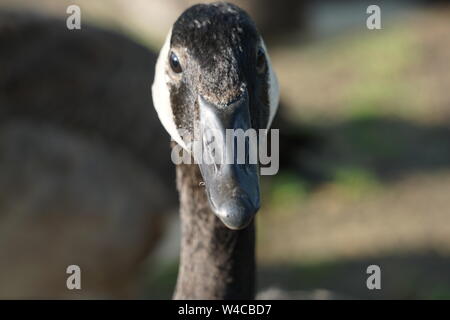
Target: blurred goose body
[[79, 183]]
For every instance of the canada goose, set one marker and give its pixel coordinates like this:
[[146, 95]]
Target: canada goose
[[214, 71]]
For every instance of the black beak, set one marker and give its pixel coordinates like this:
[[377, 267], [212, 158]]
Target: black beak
[[232, 187]]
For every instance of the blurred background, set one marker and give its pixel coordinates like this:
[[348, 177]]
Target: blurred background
[[365, 151]]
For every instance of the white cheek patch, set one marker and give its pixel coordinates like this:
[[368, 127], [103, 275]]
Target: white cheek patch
[[161, 94], [274, 90]]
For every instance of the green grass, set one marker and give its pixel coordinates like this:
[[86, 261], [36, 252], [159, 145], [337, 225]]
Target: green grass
[[438, 293], [354, 74], [160, 284], [288, 189], [356, 182], [367, 135]]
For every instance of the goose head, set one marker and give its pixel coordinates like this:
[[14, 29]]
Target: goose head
[[213, 73]]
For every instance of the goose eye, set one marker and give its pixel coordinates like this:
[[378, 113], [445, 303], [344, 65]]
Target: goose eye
[[261, 61], [175, 63]]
